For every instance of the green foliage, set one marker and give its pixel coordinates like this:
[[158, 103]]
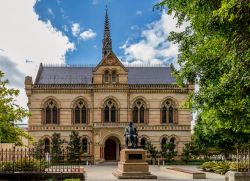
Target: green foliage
[[215, 54], [56, 149], [74, 145], [168, 151], [187, 152], [10, 113], [24, 164], [39, 149], [211, 139], [220, 167], [151, 149]]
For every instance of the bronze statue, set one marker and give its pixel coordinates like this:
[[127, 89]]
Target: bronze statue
[[131, 135]]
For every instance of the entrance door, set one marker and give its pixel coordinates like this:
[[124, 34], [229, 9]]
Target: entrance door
[[110, 149]]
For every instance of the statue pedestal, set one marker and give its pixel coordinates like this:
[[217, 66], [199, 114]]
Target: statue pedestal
[[133, 165]]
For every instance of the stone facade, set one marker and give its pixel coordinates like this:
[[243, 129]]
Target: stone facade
[[110, 90]]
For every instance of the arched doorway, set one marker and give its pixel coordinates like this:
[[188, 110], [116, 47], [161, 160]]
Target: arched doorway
[[112, 149]]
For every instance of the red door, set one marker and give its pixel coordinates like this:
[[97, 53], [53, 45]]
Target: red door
[[110, 150]]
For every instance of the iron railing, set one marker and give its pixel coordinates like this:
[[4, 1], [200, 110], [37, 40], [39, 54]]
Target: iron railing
[[30, 160]]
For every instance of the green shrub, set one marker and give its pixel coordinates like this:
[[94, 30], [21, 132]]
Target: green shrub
[[222, 167], [24, 164], [208, 166]]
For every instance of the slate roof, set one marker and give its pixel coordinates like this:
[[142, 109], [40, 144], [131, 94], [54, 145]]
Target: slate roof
[[83, 75]]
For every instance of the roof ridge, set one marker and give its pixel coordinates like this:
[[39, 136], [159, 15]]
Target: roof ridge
[[94, 65]]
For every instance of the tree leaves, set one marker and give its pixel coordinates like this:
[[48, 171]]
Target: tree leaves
[[10, 113], [215, 53]]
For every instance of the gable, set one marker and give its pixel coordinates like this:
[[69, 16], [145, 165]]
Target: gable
[[110, 60]]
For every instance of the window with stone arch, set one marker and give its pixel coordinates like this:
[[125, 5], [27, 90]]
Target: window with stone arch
[[51, 112], [85, 145], [169, 112], [173, 140], [106, 76], [143, 142], [163, 142], [139, 111], [80, 112], [46, 145], [110, 112], [114, 76]]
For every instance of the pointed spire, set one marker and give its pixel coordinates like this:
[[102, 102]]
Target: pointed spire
[[106, 42]]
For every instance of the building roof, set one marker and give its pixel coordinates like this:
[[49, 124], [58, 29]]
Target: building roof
[[83, 75]]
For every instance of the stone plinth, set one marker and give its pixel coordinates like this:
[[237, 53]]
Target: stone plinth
[[133, 165], [237, 176]]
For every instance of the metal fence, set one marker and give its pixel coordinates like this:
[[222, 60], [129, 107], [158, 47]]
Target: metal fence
[[243, 159], [31, 160]]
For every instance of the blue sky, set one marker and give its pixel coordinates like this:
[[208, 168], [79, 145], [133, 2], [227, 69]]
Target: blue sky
[[127, 19], [71, 32]]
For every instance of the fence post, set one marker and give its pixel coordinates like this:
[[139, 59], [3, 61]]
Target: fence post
[[248, 160], [13, 157], [237, 159]]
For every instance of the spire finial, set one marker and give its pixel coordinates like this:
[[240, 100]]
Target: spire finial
[[106, 42]]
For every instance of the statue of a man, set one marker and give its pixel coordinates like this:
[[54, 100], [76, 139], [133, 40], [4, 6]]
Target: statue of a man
[[131, 135]]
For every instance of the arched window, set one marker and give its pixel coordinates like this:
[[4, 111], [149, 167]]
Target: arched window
[[138, 112], [46, 145], [84, 145], [163, 142], [171, 114], [110, 111], [106, 76], [80, 112], [172, 140], [168, 112], [114, 77], [51, 112], [143, 142]]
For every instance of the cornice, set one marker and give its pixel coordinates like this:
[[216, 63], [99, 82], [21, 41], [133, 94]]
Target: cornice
[[88, 88]]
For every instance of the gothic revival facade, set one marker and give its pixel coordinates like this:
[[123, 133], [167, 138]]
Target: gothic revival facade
[[98, 102]]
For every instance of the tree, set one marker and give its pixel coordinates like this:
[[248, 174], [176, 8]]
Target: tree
[[10, 113], [209, 138], [56, 149], [74, 145], [214, 53], [187, 152], [152, 151], [39, 149], [168, 151]]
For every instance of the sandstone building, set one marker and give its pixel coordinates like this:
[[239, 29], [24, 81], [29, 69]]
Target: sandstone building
[[100, 101]]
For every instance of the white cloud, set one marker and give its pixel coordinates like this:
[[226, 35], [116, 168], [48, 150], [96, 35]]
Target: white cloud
[[51, 12], [24, 37], [89, 34], [153, 48], [75, 28], [65, 28], [139, 12]]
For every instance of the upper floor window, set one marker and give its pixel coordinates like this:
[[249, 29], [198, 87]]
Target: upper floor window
[[80, 112], [51, 112], [106, 76], [114, 77], [110, 111], [168, 112], [139, 112]]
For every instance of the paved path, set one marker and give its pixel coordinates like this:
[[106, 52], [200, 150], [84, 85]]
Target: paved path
[[104, 173]]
